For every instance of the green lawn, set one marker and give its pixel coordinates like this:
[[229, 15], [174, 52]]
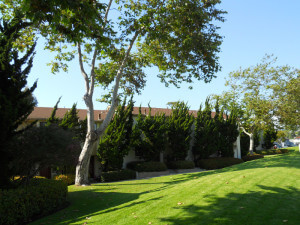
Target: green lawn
[[264, 191]]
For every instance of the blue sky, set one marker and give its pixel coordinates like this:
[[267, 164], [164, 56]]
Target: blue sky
[[252, 29]]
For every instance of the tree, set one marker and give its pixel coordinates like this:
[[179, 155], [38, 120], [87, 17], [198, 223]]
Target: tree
[[257, 94], [16, 100], [214, 133], [270, 136], [179, 131], [149, 136], [114, 145], [41, 147], [178, 37], [53, 119], [205, 134]]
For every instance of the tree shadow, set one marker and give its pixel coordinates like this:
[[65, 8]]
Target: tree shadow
[[86, 203], [270, 206]]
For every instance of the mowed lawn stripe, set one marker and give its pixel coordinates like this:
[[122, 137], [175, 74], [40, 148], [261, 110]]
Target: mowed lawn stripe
[[264, 191]]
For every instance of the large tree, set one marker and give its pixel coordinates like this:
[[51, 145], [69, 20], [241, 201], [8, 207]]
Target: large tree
[[16, 99], [260, 94], [178, 37]]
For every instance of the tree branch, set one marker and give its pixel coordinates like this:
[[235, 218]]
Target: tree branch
[[114, 102], [91, 90], [83, 73], [245, 131]]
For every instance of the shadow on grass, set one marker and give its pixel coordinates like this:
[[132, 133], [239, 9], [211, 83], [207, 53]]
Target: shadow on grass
[[269, 206], [88, 203]]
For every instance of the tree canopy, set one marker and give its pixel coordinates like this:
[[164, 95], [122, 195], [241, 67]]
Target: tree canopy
[[180, 38], [16, 99], [265, 94]]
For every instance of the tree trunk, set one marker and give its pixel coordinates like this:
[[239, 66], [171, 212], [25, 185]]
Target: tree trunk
[[92, 137], [251, 147], [82, 168]]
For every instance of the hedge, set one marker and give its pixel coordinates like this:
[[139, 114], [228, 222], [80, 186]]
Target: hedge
[[182, 164], [147, 166], [69, 179], [272, 151], [217, 163], [117, 175], [39, 198], [252, 157]]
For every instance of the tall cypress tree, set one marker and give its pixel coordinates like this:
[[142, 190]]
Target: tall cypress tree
[[71, 119], [53, 119], [205, 135], [115, 144], [16, 101], [149, 136], [179, 131]]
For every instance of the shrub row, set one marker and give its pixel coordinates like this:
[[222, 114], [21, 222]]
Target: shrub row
[[68, 179], [252, 157], [182, 164], [39, 198], [217, 163], [272, 151], [117, 175]]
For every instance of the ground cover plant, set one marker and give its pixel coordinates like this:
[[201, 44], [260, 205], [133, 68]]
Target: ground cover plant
[[263, 191]]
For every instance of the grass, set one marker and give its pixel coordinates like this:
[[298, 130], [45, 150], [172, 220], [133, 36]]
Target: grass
[[264, 191]]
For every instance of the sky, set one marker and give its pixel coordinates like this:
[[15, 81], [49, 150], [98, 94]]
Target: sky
[[252, 29]]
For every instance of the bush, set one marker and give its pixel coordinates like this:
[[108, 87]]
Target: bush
[[273, 151], [68, 179], [117, 175], [147, 166], [217, 163], [252, 157], [181, 165], [284, 150], [39, 198]]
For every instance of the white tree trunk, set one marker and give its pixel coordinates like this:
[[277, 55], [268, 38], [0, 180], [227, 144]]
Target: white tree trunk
[[92, 137], [251, 147], [251, 136]]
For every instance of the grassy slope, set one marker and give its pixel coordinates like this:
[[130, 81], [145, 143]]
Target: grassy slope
[[265, 191]]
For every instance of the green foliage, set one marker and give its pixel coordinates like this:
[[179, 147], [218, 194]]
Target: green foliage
[[216, 133], [68, 179], [183, 164], [115, 144], [16, 100], [262, 95], [205, 133], [53, 119], [217, 163], [147, 166], [252, 157], [43, 146], [270, 136], [272, 151], [227, 129], [39, 198], [71, 119], [75, 19], [117, 175], [179, 131], [149, 136]]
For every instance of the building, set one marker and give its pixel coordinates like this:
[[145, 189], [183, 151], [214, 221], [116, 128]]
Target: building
[[41, 114]]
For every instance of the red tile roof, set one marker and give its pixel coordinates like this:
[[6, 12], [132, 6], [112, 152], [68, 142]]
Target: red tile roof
[[42, 113]]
